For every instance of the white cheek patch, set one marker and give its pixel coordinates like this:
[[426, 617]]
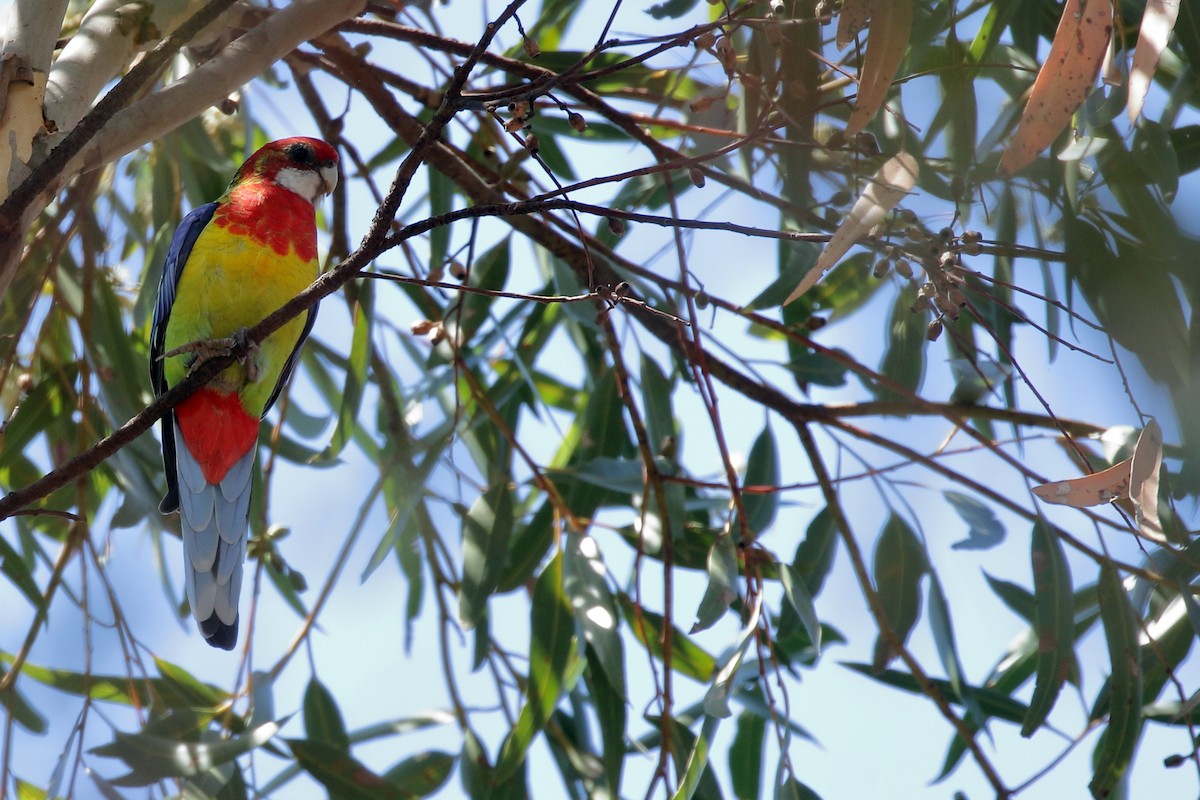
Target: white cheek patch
[[304, 182]]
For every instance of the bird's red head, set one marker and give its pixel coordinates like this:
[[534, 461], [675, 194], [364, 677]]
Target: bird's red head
[[302, 165]]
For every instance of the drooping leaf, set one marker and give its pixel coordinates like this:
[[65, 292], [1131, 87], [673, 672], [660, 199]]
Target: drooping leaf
[[984, 530], [1063, 82], [343, 775], [746, 756], [796, 593], [887, 42], [552, 630], [487, 529], [1157, 21], [885, 189], [422, 774], [1054, 622], [686, 656], [322, 717], [722, 583], [900, 563], [762, 471], [1115, 749], [586, 587], [1143, 481]]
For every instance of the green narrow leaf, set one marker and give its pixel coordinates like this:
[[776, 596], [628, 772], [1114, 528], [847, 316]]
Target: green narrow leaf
[[154, 757], [904, 359], [716, 700], [1019, 599], [1155, 154], [1115, 749], [900, 562], [746, 756], [609, 705], [17, 571], [490, 271], [993, 703], [814, 556], [487, 529], [647, 627], [762, 470], [1054, 622], [722, 583], [356, 375], [552, 630], [792, 789], [943, 639], [322, 717], [422, 774], [474, 768], [703, 783], [801, 601], [345, 777], [656, 398], [587, 590], [22, 712], [697, 760]]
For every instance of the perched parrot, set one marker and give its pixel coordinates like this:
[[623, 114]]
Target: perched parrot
[[230, 264]]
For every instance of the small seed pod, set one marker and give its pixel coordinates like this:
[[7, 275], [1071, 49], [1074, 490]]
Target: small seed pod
[[422, 327], [705, 40], [914, 233], [934, 330], [944, 304], [701, 300], [815, 323], [457, 270], [924, 298], [956, 296], [946, 234], [882, 267], [616, 226], [904, 269], [532, 143], [971, 236], [531, 47], [577, 121], [697, 176]]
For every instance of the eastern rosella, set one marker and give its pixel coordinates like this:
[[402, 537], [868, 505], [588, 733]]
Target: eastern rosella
[[230, 264]]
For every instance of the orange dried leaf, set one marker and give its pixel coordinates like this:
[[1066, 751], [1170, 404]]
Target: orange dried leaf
[[1064, 81], [887, 42], [852, 19], [1157, 22], [1089, 490]]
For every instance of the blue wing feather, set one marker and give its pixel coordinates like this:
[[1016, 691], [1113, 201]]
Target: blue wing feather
[[177, 256]]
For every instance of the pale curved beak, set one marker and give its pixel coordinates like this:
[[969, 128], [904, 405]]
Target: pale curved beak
[[329, 177]]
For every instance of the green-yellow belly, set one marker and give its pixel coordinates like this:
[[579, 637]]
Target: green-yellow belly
[[228, 284]]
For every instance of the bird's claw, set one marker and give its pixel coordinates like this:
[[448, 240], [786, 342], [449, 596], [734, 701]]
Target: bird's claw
[[208, 349]]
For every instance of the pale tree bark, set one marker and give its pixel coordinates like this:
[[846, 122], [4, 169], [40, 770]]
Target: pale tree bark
[[31, 30], [156, 114]]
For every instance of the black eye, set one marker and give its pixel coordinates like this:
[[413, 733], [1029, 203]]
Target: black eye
[[300, 153]]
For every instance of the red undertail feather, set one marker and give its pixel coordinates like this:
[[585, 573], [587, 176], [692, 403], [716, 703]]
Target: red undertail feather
[[216, 430]]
